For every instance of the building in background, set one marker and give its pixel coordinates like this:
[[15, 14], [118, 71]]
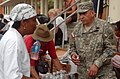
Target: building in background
[[1, 8], [41, 6], [114, 11]]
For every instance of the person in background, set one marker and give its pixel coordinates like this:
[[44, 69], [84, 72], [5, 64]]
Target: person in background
[[6, 19], [1, 32], [61, 30], [42, 18], [14, 57], [1, 16], [62, 26], [1, 23], [1, 27], [73, 18], [116, 59], [92, 45], [45, 37], [58, 35]]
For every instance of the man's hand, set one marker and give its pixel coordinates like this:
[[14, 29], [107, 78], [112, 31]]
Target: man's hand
[[75, 58], [93, 70]]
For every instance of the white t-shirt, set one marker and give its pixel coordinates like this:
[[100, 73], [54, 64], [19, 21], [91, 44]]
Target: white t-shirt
[[63, 26], [14, 58]]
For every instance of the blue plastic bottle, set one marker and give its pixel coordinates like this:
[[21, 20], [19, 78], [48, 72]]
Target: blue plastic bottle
[[35, 50]]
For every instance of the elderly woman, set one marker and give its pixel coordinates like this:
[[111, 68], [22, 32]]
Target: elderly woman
[[14, 58], [61, 29]]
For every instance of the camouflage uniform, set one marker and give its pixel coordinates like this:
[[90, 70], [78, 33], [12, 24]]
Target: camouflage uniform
[[95, 46]]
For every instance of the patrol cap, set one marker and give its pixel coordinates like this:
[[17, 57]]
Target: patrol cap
[[85, 6]]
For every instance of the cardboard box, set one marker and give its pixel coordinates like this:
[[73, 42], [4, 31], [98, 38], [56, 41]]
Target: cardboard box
[[60, 52], [66, 67]]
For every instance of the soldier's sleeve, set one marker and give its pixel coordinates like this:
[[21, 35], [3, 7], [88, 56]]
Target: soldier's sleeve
[[72, 37], [109, 46]]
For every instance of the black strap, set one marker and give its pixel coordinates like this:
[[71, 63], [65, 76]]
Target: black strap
[[51, 70]]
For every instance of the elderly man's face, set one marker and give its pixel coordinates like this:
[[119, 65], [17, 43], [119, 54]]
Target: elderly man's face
[[87, 17]]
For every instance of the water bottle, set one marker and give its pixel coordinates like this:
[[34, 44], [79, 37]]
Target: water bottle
[[46, 76], [35, 50], [51, 76], [62, 74], [57, 74], [54, 75]]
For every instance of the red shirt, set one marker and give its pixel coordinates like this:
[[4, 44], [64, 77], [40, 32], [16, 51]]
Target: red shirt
[[48, 46]]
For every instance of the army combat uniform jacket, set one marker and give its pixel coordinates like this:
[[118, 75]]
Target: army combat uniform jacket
[[96, 46]]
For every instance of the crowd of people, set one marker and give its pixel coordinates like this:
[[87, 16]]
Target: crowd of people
[[93, 44]]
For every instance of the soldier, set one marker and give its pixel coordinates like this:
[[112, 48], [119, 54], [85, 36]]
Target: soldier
[[91, 45]]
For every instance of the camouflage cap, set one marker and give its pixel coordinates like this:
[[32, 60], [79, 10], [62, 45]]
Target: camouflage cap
[[85, 6]]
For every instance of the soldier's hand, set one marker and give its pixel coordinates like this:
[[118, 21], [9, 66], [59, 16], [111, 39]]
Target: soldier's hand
[[93, 70], [75, 58]]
